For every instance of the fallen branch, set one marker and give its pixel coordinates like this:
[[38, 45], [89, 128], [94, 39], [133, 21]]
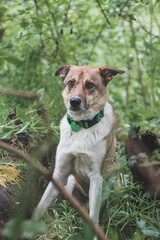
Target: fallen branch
[[42, 170]]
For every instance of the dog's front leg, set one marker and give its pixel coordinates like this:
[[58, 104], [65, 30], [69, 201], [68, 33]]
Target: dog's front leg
[[61, 173], [95, 196]]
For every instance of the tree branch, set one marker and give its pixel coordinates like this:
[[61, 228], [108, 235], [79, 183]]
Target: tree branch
[[157, 36], [103, 12]]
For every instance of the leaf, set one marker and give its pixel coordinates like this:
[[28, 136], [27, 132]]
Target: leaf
[[15, 227], [131, 161], [32, 228], [85, 234], [12, 229], [141, 223], [3, 10], [37, 23], [23, 128], [151, 231], [7, 135], [24, 23], [148, 231], [40, 92], [14, 60]]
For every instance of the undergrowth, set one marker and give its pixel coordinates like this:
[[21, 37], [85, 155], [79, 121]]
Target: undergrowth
[[128, 214], [39, 36], [62, 220]]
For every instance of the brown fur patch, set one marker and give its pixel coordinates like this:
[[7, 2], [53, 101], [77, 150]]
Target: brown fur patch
[[107, 167], [96, 97]]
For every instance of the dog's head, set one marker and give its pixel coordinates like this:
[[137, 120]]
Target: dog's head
[[85, 87]]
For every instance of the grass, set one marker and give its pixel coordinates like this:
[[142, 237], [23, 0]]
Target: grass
[[62, 220], [128, 214]]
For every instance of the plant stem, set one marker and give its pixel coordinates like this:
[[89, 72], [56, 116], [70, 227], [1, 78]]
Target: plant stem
[[138, 63]]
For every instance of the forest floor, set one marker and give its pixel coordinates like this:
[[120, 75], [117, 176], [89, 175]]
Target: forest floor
[[129, 213]]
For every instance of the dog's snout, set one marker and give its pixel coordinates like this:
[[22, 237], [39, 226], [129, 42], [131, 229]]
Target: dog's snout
[[75, 102]]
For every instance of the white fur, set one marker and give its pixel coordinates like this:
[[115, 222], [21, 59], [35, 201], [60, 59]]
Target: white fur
[[86, 139], [81, 154]]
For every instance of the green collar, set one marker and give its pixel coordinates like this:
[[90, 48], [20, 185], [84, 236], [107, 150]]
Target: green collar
[[76, 125]]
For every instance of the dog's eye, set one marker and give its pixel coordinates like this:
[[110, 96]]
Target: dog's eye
[[89, 85], [71, 84]]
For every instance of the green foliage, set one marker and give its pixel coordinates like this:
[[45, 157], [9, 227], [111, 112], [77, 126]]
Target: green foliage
[[129, 214], [62, 220], [31, 122], [36, 37], [85, 233], [46, 34], [148, 231], [29, 229]]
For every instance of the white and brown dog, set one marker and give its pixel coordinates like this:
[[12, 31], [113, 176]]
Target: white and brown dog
[[87, 144]]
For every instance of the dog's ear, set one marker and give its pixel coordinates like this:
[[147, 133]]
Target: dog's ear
[[107, 73], [62, 71]]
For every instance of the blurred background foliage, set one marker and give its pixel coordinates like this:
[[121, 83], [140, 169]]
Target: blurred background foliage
[[36, 37]]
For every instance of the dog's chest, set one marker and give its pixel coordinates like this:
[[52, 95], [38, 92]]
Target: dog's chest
[[86, 141], [88, 148], [87, 163], [87, 160]]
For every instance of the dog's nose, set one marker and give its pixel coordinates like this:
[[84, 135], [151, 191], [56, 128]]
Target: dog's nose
[[75, 102]]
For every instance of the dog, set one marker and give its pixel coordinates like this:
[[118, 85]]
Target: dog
[[87, 143]]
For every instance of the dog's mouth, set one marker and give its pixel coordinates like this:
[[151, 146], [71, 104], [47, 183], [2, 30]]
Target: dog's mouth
[[75, 109], [76, 104], [78, 109]]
